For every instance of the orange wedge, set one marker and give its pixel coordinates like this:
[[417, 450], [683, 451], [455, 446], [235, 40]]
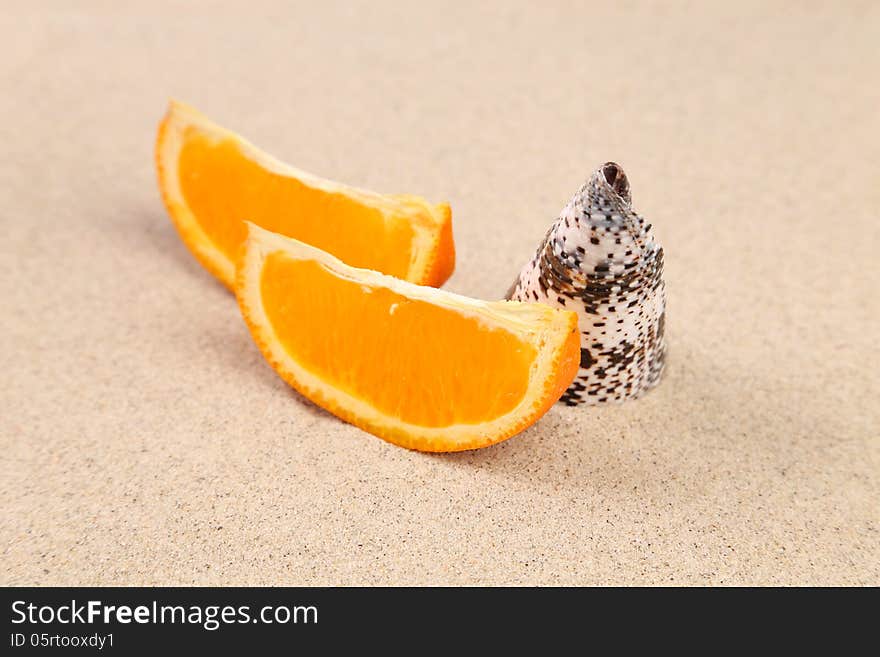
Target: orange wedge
[[419, 367], [212, 180]]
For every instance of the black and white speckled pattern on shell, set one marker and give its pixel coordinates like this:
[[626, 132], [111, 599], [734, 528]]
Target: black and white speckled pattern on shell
[[601, 260]]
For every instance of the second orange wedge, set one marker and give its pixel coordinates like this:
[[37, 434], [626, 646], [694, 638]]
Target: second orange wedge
[[212, 180], [420, 367]]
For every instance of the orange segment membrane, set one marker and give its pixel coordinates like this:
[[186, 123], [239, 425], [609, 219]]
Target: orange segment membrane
[[223, 187], [376, 358]]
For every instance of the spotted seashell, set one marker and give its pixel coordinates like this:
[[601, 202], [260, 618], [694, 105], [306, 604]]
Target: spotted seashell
[[600, 259]]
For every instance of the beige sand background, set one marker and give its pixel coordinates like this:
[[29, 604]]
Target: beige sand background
[[145, 440]]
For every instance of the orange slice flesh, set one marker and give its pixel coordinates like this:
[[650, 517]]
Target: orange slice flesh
[[419, 367], [212, 180]]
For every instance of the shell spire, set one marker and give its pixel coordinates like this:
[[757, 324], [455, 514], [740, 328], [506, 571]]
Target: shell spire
[[600, 259]]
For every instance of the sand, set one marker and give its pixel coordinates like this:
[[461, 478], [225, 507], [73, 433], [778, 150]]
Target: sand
[[145, 440]]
